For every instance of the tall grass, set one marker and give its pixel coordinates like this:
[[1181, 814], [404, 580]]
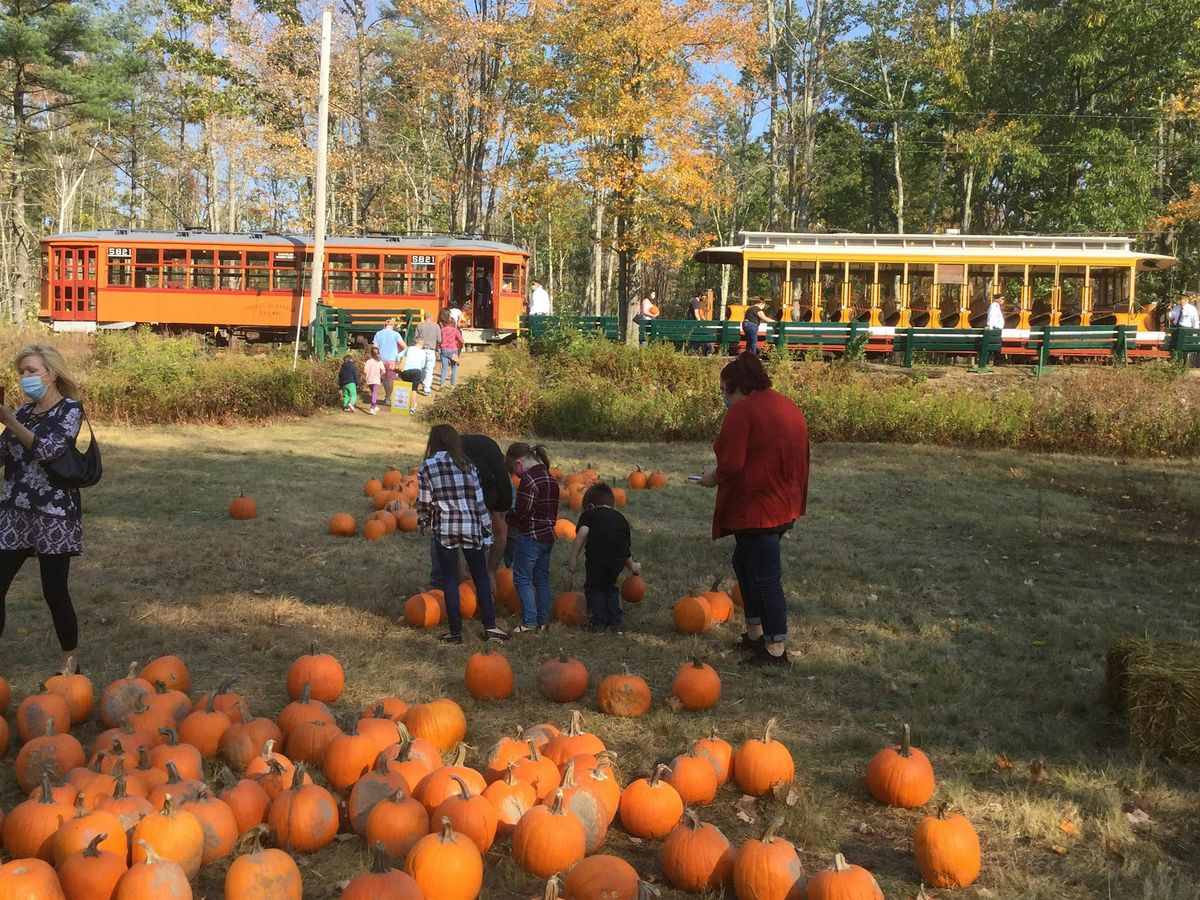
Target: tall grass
[[587, 389], [139, 377]]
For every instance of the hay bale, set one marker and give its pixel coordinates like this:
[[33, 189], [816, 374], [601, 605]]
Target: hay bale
[[1156, 686]]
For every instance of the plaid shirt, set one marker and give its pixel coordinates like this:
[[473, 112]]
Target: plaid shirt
[[451, 501], [536, 507]]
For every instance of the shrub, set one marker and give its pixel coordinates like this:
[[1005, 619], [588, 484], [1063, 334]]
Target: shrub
[[569, 386]]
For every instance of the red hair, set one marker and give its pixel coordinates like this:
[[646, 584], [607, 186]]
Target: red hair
[[745, 374]]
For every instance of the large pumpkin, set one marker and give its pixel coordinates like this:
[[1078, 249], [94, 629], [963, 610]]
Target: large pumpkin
[[382, 882], [260, 874], [768, 868], [470, 814], [695, 779], [204, 728], [36, 710], [570, 608], [650, 807], [446, 865], [947, 850], [901, 776], [91, 874], [439, 784], [397, 822], [488, 675], [29, 828], [562, 679], [601, 877], [27, 879], [423, 611], [586, 802], [174, 834], [843, 881], [57, 753], [548, 839], [320, 671], [697, 685], [691, 614], [304, 818], [696, 856], [441, 721], [625, 695], [218, 823], [76, 834], [761, 765]]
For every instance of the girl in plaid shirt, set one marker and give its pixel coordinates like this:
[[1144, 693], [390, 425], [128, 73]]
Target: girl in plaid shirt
[[532, 523], [450, 501]]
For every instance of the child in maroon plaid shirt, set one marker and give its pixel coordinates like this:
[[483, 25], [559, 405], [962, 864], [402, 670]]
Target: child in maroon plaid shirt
[[532, 522]]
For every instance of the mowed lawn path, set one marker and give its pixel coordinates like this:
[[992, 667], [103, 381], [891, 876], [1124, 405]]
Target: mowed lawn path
[[970, 593]]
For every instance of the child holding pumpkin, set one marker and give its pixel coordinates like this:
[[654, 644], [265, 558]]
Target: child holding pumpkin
[[605, 534], [532, 522]]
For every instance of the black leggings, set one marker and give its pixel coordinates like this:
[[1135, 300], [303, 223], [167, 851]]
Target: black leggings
[[56, 568]]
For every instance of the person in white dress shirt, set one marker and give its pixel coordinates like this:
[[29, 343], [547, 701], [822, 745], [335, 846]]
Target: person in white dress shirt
[[1184, 314], [539, 300], [995, 322]]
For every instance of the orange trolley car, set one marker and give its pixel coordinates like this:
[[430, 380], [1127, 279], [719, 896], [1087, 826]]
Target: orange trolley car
[[252, 285]]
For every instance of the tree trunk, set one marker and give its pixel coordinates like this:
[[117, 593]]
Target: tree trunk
[[896, 157], [773, 121], [968, 191], [595, 282], [813, 60]]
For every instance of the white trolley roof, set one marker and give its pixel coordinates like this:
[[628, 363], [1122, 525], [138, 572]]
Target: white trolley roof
[[988, 249]]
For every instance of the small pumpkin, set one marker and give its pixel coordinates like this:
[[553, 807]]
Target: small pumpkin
[[691, 614], [441, 721], [243, 507], [77, 690], [587, 805], [489, 675], [303, 818], [506, 751], [182, 789], [843, 881], [152, 875], [696, 856], [247, 800], [29, 828], [343, 525], [769, 868], [262, 874], [376, 785], [53, 752], [372, 487], [439, 784], [511, 798], [601, 877], [570, 608], [25, 879], [373, 529], [397, 822], [506, 590], [309, 743], [760, 765], [382, 881], [175, 835], [470, 814], [407, 520], [625, 695], [562, 679], [656, 481], [218, 823], [539, 771], [637, 479], [697, 685], [570, 743], [223, 700], [548, 839], [187, 759], [76, 834], [446, 865], [302, 710], [718, 752], [246, 738], [694, 778], [947, 849], [633, 589], [321, 672], [5, 695], [36, 710], [348, 758], [128, 808], [650, 807], [423, 611], [204, 728], [90, 874], [901, 776], [719, 602]]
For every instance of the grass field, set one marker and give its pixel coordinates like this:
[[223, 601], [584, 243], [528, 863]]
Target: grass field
[[970, 593]]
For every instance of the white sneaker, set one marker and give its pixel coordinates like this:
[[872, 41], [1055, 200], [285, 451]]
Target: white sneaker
[[412, 410], [373, 410]]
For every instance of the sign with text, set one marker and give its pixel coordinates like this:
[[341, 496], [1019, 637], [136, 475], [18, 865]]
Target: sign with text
[[950, 274]]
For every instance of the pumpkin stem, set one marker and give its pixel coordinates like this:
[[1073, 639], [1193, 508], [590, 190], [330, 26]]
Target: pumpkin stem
[[716, 582], [132, 673], [840, 864], [226, 779], [772, 829], [691, 820], [562, 656], [380, 864], [696, 663], [245, 713], [397, 796], [118, 749], [118, 769], [533, 751], [464, 791], [377, 713], [405, 735], [168, 808], [224, 686], [771, 723], [313, 651], [306, 694], [575, 726], [170, 734], [212, 699], [568, 779], [646, 890], [298, 776], [509, 777], [143, 757], [80, 812], [252, 840], [556, 808], [906, 741], [203, 793], [269, 749], [47, 791], [119, 789], [381, 762], [460, 753], [448, 836], [551, 891], [93, 847], [274, 768], [943, 808], [659, 770], [50, 731], [152, 858], [173, 776], [160, 687]]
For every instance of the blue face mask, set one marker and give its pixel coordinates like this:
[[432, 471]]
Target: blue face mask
[[727, 399], [33, 386]]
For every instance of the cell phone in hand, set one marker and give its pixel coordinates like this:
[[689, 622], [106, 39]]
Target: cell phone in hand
[[695, 477]]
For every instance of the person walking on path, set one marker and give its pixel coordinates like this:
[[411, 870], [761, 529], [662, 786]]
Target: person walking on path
[[373, 371], [534, 512], [38, 515], [412, 370], [430, 334], [348, 382], [450, 506], [390, 345], [761, 477], [451, 343]]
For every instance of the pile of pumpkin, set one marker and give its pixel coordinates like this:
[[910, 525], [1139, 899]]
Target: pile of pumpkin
[[134, 816], [639, 480]]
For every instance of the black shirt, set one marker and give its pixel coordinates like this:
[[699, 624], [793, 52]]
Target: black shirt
[[694, 308], [755, 315], [493, 475], [608, 536]]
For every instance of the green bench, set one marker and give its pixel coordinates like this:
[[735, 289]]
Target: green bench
[[1181, 342], [695, 333], [335, 326], [957, 342], [535, 327]]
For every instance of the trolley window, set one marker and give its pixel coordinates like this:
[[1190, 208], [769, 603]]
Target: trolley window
[[147, 272], [174, 267], [395, 274], [423, 275], [340, 271], [258, 270], [119, 271], [285, 270], [231, 270], [202, 277], [511, 281], [366, 273]]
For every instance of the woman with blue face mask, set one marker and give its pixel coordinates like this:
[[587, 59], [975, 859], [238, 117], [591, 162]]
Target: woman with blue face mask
[[37, 516]]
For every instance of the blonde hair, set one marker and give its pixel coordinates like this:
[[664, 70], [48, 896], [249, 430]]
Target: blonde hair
[[54, 362]]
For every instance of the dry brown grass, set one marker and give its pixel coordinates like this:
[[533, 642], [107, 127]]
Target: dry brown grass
[[970, 593]]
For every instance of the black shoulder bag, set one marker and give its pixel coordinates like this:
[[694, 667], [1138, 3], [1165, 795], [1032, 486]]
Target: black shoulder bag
[[74, 469]]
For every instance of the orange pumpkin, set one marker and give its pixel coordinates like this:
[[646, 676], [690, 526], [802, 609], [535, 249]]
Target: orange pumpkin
[[243, 507], [152, 875], [186, 758], [373, 529], [246, 738], [446, 865], [548, 839], [637, 479], [372, 487], [218, 823], [5, 695], [697, 857], [25, 879], [204, 728], [29, 828], [77, 691], [128, 808], [376, 785], [656, 480], [441, 721], [470, 814], [348, 758], [539, 771], [843, 881], [303, 818], [565, 529], [302, 710], [53, 752], [506, 751], [309, 743], [506, 590], [260, 874], [174, 834], [760, 766], [691, 614], [587, 805], [36, 710], [650, 807], [719, 602], [633, 589], [423, 611], [947, 849], [247, 800], [769, 867], [381, 880], [397, 822], [562, 747], [343, 525], [901, 776], [87, 875], [562, 679], [625, 695], [601, 877], [570, 608], [697, 685], [489, 675], [719, 754], [320, 671], [76, 834], [223, 700], [439, 784], [511, 798], [694, 778]]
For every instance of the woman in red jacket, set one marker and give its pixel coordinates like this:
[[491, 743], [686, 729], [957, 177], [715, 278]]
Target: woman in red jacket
[[761, 477]]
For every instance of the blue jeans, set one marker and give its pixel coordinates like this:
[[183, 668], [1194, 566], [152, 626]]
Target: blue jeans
[[760, 577], [750, 329], [603, 596], [531, 577], [447, 566], [449, 359]]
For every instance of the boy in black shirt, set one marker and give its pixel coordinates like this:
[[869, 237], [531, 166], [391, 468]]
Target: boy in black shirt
[[605, 533], [348, 382]]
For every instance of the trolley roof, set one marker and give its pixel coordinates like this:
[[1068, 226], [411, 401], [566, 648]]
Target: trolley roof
[[1100, 250], [270, 239]]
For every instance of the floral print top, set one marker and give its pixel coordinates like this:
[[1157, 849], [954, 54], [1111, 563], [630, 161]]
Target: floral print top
[[27, 482]]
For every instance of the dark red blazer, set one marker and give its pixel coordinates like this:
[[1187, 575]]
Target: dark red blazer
[[762, 464]]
